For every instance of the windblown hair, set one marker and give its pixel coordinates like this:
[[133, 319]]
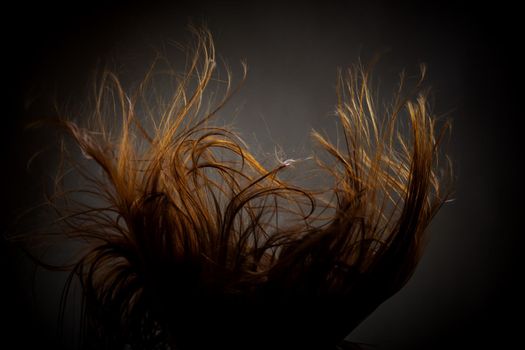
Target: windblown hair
[[190, 242]]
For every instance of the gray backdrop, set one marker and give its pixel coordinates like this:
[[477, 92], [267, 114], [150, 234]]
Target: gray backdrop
[[465, 292]]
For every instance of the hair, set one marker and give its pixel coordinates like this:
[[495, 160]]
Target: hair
[[190, 242]]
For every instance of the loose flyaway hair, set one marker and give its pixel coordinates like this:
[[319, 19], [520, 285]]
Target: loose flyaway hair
[[188, 241]]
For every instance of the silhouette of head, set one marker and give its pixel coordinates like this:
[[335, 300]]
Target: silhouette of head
[[195, 244]]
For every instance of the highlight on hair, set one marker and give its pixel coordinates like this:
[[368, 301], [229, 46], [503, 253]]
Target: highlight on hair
[[190, 242]]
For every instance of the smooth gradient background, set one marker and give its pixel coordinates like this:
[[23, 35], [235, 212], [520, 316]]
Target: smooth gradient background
[[465, 293]]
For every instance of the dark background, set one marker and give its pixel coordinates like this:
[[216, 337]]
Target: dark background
[[465, 293]]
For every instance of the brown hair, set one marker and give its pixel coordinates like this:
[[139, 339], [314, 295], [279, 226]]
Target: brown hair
[[193, 243]]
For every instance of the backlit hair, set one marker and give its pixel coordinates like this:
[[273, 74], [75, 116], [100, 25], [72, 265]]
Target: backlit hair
[[190, 242]]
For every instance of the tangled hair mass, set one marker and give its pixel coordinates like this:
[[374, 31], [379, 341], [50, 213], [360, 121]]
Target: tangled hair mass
[[189, 242]]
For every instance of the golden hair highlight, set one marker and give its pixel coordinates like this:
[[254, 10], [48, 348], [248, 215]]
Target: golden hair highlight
[[185, 240]]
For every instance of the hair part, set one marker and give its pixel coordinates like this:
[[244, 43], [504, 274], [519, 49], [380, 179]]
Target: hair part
[[188, 235]]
